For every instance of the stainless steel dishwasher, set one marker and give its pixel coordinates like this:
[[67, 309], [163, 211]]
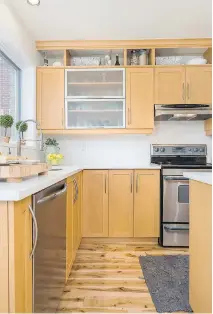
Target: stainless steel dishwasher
[[49, 247]]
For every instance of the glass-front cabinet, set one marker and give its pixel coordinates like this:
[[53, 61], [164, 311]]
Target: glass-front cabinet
[[95, 98]]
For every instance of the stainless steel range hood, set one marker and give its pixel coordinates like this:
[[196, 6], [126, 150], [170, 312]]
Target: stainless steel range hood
[[182, 112]]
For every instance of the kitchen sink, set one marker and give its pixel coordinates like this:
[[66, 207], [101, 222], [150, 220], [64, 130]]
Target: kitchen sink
[[58, 169]]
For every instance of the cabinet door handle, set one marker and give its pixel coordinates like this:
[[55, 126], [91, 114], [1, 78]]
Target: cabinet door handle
[[75, 196], [36, 231], [131, 183], [129, 116], [105, 184], [62, 119], [183, 91], [137, 177], [188, 91]]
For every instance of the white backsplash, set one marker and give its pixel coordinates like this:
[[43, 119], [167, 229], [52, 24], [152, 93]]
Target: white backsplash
[[124, 150], [98, 150]]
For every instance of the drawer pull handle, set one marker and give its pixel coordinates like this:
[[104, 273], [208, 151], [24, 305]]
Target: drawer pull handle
[[171, 229]]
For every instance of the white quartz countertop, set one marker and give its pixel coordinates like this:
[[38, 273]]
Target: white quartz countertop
[[204, 177], [29, 186], [123, 166], [32, 185]]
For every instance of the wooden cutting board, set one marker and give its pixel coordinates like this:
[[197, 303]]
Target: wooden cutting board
[[17, 172]]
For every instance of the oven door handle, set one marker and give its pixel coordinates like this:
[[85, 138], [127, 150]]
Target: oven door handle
[[175, 178], [171, 229]]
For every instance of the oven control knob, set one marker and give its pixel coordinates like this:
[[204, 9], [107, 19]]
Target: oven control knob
[[162, 149], [201, 150], [190, 149], [195, 149], [156, 149]]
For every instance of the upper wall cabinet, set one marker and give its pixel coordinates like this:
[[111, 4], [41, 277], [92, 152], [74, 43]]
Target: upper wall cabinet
[[95, 98], [199, 85], [139, 98], [50, 98], [95, 83], [170, 85], [183, 85]]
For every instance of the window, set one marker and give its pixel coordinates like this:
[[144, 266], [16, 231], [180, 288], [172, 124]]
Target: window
[[9, 89]]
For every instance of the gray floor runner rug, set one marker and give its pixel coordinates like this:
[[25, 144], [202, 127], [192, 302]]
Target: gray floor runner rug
[[167, 278]]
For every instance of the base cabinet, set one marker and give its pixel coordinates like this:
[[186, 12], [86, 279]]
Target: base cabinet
[[95, 203], [16, 263], [200, 247], [147, 203], [121, 203], [69, 228], [73, 224]]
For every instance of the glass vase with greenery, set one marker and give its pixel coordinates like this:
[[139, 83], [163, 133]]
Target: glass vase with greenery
[[6, 122], [51, 147]]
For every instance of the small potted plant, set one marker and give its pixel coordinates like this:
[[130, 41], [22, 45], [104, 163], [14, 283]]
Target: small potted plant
[[23, 129], [51, 146], [6, 122]]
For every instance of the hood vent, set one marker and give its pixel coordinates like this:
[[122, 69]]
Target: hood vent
[[182, 112]]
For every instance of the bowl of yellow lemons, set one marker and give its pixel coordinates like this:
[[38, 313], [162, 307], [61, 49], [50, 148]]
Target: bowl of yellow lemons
[[55, 159]]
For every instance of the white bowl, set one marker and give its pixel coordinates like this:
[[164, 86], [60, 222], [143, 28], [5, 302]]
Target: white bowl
[[197, 61]]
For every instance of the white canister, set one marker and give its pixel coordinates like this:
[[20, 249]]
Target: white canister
[[143, 57]]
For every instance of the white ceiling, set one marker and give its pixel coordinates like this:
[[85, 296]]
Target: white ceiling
[[115, 19]]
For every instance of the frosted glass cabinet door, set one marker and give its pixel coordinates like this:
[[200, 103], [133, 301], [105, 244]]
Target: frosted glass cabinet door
[[95, 113], [95, 83]]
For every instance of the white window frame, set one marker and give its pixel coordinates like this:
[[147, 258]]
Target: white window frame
[[17, 92]]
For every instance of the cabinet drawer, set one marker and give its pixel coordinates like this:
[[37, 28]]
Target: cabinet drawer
[[175, 235]]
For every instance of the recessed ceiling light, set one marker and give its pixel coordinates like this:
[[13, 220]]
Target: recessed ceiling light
[[34, 2]]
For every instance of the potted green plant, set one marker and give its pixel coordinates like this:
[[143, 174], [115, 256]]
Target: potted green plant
[[21, 129], [51, 147], [6, 122]]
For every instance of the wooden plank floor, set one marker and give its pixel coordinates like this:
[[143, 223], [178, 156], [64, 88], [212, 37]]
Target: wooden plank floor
[[107, 278]]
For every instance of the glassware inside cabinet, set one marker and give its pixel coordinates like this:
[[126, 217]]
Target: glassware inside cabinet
[[96, 113], [95, 83]]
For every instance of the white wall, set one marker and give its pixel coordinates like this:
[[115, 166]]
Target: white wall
[[19, 46], [127, 150]]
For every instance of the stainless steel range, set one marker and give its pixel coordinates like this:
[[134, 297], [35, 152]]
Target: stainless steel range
[[174, 161]]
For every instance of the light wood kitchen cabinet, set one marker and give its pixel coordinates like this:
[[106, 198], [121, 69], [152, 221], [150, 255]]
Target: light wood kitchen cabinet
[[95, 203], [50, 98], [22, 250], [140, 98], [16, 264], [208, 127], [73, 223], [79, 207], [4, 262], [146, 203], [170, 85], [76, 213], [69, 228], [183, 85], [199, 85], [121, 203], [200, 247]]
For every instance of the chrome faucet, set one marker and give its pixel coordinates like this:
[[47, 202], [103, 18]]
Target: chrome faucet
[[20, 140]]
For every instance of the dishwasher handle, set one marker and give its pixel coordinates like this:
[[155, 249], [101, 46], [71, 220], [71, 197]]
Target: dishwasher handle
[[53, 196], [36, 231]]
